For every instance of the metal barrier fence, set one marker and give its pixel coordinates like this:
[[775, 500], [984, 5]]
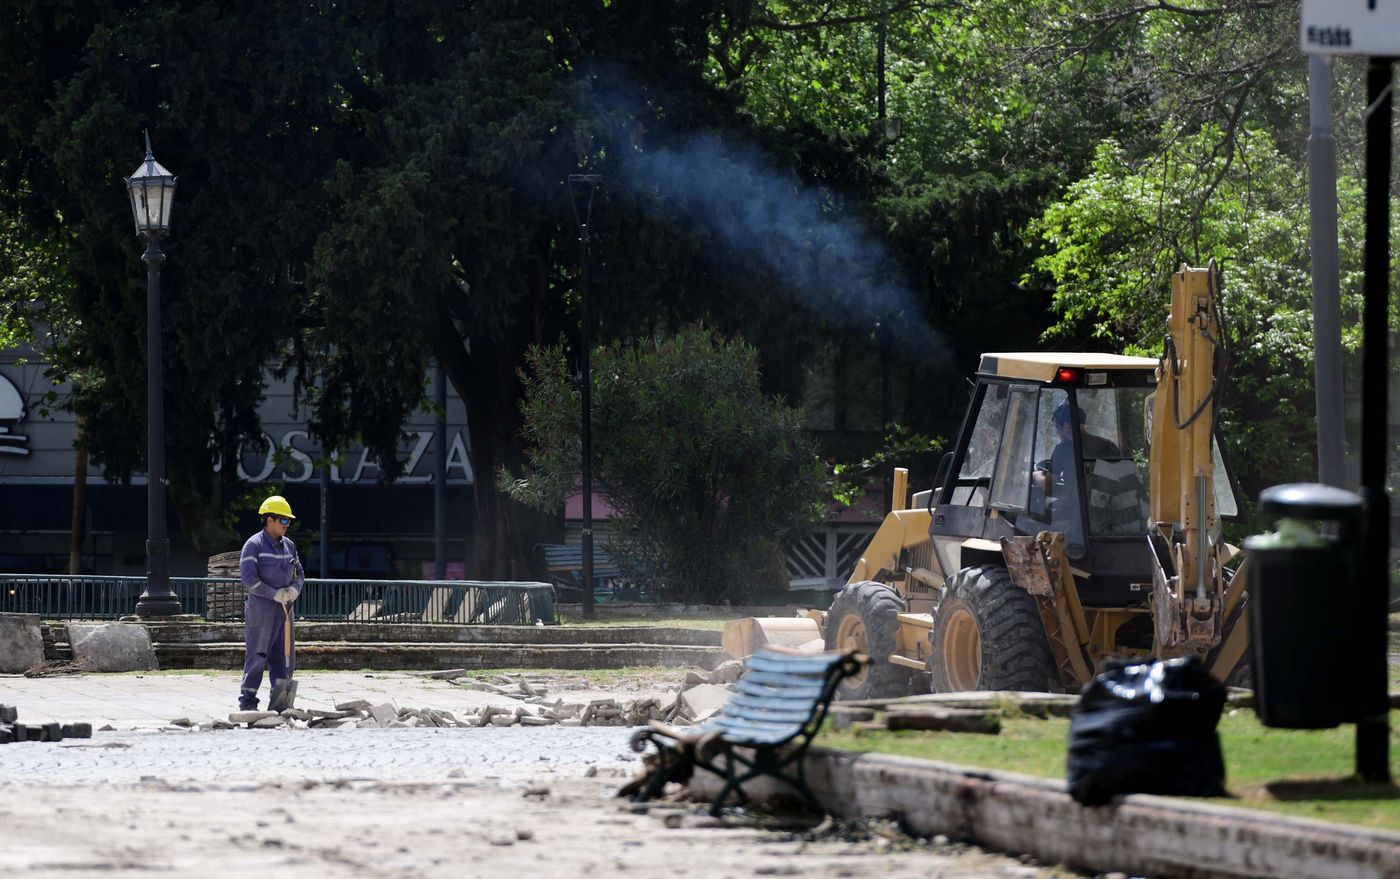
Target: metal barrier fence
[[469, 602]]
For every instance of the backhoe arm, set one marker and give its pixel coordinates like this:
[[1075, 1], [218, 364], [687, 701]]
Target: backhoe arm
[[1185, 530]]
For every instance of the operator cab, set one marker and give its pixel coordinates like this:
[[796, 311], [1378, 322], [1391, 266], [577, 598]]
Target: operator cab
[[1056, 442]]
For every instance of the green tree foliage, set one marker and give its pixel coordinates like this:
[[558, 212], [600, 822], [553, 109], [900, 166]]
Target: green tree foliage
[[709, 474], [1116, 236]]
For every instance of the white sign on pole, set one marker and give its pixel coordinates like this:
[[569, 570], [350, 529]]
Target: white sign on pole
[[1350, 27]]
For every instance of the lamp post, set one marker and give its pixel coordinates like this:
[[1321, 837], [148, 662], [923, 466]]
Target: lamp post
[[582, 187], [152, 192]]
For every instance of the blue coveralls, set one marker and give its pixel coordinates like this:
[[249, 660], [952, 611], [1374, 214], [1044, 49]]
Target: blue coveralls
[[266, 566]]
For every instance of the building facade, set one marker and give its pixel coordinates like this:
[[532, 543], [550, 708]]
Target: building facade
[[377, 529]]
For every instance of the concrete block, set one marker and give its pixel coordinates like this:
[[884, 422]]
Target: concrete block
[[111, 647], [727, 672], [7, 735], [21, 642], [384, 713], [842, 717], [9, 713], [703, 701], [51, 732], [945, 719]]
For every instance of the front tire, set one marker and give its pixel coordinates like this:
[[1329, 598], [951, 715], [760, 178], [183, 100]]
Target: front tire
[[864, 617], [988, 635]]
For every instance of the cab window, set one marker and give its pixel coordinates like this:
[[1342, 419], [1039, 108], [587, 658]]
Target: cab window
[[975, 474], [1011, 482]]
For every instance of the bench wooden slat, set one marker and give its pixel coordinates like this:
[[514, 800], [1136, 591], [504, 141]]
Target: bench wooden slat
[[816, 664], [778, 680], [758, 688], [749, 703], [740, 733]]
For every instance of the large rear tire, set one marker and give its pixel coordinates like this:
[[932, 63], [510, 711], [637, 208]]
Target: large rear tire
[[988, 635], [865, 617]]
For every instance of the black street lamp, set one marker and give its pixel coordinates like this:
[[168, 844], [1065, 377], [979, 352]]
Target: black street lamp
[[583, 186], [152, 191]]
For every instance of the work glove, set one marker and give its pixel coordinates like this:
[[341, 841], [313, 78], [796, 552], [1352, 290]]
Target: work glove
[[285, 595]]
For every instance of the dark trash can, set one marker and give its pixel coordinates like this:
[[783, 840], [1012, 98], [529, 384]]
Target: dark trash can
[[1302, 607]]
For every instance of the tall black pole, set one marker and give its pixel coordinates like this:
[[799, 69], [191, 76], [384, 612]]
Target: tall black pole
[[440, 475], [158, 599], [1373, 725], [585, 379]]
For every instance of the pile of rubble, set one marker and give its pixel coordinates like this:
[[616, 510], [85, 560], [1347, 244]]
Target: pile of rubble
[[524, 703], [11, 730]]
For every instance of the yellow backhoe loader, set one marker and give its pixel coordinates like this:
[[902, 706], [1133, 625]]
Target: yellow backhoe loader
[[1077, 519]]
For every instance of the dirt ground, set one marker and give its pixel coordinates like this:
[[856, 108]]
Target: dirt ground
[[146, 798], [450, 828]]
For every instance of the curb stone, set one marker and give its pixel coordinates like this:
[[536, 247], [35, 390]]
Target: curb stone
[[1140, 834]]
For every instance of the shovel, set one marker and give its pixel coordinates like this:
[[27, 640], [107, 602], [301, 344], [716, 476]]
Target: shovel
[[284, 692]]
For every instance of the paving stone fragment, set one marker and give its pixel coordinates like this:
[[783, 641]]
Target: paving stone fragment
[[21, 643], [384, 712], [250, 716], [727, 672], [704, 700], [331, 715], [529, 720], [503, 720], [449, 674], [272, 722], [182, 721], [297, 714], [110, 647], [353, 705]]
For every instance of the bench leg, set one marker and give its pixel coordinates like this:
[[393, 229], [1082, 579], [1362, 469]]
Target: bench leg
[[731, 783]]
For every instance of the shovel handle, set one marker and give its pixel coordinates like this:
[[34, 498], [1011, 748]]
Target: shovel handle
[[287, 633]]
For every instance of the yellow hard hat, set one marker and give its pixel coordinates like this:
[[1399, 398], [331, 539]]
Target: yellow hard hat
[[277, 506]]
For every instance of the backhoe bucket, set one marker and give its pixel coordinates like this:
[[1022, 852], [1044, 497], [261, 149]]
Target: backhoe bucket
[[743, 636]]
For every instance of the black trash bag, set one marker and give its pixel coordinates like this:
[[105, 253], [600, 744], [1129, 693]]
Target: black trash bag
[[1149, 728]]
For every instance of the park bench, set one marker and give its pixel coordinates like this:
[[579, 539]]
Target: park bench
[[765, 728], [564, 567]]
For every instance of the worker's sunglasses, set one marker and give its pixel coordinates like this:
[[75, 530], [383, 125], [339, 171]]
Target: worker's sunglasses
[[282, 520]]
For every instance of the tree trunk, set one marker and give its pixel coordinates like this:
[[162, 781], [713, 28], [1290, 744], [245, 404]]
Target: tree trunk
[[505, 532]]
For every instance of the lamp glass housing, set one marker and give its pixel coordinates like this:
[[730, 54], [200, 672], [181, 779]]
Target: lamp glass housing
[[152, 191]]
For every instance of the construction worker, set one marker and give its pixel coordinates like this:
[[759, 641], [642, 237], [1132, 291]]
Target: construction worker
[[272, 574]]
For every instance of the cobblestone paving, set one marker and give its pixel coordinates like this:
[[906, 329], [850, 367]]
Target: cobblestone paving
[[150, 701], [245, 755], [526, 801]]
